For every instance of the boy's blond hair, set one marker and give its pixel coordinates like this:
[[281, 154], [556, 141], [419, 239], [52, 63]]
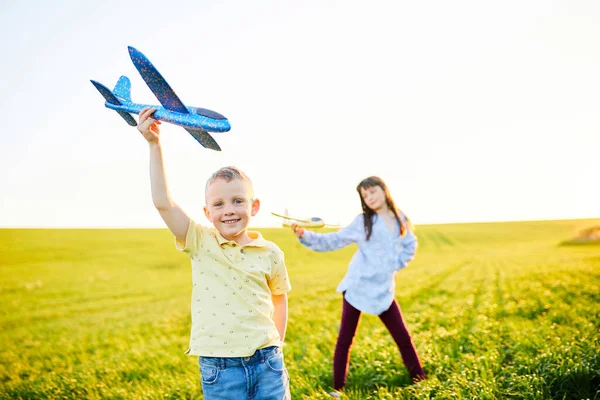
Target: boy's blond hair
[[230, 173]]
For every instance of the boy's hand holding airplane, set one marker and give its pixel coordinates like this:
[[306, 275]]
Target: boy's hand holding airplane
[[148, 126], [298, 231]]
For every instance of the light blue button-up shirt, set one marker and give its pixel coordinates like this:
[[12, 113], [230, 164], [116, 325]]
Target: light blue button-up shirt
[[370, 281]]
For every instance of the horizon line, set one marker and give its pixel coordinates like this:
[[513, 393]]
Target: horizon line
[[279, 225]]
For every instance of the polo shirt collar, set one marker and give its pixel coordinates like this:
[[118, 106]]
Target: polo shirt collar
[[257, 240]]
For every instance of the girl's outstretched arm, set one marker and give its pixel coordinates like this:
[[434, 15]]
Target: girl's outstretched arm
[[334, 240]]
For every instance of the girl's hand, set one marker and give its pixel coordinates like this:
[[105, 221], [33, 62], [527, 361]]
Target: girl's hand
[[298, 231], [148, 126]]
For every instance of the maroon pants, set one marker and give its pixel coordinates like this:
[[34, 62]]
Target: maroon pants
[[392, 319]]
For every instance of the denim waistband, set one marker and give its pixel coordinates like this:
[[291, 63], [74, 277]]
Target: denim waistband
[[260, 355]]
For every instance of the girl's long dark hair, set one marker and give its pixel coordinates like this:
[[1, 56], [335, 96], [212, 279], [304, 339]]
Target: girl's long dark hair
[[369, 215]]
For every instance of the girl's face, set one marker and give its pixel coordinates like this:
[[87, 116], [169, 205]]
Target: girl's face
[[374, 198]]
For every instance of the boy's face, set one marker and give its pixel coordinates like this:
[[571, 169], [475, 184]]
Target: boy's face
[[229, 207]]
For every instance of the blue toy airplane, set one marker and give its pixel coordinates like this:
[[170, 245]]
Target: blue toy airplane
[[197, 121]]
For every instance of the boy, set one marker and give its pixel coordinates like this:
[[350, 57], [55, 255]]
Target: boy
[[239, 301]]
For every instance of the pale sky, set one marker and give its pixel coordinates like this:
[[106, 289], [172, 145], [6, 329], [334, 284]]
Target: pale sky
[[469, 110]]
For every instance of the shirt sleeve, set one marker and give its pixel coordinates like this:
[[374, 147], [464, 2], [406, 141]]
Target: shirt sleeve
[[278, 282], [334, 240], [408, 247], [193, 238]]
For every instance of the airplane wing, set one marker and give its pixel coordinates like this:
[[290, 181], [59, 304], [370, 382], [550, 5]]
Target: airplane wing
[[157, 83], [112, 99], [204, 138], [286, 217], [309, 223]]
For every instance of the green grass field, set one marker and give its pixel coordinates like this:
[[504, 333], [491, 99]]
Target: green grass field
[[496, 310]]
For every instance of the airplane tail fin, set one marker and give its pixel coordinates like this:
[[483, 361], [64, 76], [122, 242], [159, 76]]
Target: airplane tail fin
[[123, 86], [122, 89]]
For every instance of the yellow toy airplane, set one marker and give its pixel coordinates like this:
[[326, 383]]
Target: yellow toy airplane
[[314, 222]]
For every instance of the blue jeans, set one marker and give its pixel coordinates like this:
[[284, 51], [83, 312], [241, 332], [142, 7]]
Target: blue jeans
[[261, 376]]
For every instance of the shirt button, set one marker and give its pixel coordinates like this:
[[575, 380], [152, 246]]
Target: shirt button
[[246, 358]]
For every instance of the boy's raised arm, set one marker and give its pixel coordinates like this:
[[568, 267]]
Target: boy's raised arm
[[176, 219]]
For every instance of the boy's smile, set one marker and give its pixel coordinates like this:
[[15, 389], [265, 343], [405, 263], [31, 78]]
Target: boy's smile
[[229, 206]]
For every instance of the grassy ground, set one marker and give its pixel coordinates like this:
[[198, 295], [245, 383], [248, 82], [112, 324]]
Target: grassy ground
[[497, 311]]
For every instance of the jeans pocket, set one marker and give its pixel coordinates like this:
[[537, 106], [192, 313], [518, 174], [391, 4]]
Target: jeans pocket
[[275, 362], [209, 373]]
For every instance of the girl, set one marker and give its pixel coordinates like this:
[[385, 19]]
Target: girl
[[385, 245]]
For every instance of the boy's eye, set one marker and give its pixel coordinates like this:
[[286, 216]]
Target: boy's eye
[[238, 201], [218, 204]]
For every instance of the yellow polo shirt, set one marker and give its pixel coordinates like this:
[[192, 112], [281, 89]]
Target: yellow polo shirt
[[232, 310]]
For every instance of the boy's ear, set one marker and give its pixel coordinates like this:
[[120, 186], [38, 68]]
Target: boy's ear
[[207, 213], [255, 206]]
